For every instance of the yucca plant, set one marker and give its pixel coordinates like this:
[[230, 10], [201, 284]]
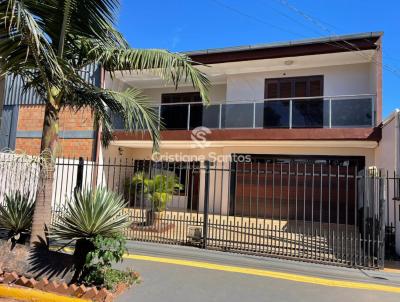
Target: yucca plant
[[90, 214], [16, 215]]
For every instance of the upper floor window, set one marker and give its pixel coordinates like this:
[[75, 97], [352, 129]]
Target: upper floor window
[[175, 116], [305, 113]]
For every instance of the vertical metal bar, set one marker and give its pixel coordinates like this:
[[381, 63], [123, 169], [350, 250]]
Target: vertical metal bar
[[330, 113], [290, 114], [188, 118], [347, 208], [159, 116], [206, 197], [382, 202]]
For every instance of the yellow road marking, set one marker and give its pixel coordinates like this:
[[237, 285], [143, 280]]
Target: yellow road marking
[[269, 274], [266, 273], [28, 294]]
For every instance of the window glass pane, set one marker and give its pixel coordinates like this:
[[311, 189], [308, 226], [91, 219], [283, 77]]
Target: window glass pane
[[196, 115], [300, 88], [285, 89], [272, 90], [259, 115], [276, 114], [308, 113], [353, 112], [316, 87], [174, 117], [211, 116], [237, 116]]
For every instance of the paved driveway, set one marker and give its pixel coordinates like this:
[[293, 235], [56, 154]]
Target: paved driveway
[[212, 281]]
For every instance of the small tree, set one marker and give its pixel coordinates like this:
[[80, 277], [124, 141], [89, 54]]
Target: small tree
[[48, 43], [159, 190]]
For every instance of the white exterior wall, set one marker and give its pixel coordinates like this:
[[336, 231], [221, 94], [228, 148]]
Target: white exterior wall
[[338, 80], [217, 93], [387, 158]]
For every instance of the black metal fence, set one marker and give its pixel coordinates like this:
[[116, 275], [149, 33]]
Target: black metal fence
[[315, 212]]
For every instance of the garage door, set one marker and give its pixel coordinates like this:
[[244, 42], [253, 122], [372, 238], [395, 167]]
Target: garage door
[[317, 188]]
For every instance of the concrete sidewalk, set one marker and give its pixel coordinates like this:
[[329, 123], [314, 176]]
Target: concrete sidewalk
[[175, 282]]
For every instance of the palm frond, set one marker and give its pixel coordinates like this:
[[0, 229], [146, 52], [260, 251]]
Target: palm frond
[[174, 68], [23, 36], [69, 6], [130, 105]]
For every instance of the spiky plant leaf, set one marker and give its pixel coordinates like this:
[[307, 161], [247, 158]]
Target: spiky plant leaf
[[91, 213], [16, 213]]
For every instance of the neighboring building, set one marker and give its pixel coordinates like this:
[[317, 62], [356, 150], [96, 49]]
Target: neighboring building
[[312, 101], [22, 121]]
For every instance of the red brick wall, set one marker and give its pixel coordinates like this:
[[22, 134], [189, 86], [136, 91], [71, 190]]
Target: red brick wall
[[30, 118]]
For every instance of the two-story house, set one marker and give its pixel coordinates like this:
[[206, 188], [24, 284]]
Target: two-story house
[[311, 101]]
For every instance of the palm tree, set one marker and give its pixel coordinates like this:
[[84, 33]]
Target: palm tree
[[47, 43]]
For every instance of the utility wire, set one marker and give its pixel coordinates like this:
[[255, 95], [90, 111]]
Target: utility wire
[[353, 47]]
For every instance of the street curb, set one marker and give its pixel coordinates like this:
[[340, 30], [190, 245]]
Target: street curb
[[28, 294]]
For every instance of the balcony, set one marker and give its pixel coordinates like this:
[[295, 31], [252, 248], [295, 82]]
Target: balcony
[[350, 111]]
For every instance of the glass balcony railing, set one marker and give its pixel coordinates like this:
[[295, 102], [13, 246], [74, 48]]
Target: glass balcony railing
[[353, 111]]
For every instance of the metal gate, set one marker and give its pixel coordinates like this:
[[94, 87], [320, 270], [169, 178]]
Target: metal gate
[[313, 212]]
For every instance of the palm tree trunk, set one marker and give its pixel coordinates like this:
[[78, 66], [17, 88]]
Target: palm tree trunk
[[42, 214]]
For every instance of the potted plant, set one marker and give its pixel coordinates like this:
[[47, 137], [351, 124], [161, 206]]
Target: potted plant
[[158, 190], [16, 216]]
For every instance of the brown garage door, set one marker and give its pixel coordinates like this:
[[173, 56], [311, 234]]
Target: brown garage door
[[293, 188]]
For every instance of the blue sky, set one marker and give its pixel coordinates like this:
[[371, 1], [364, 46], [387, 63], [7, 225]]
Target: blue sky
[[180, 25]]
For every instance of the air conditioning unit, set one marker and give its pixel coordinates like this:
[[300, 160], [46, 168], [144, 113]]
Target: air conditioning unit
[[194, 232]]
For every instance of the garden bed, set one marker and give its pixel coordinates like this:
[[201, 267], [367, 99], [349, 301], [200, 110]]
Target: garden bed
[[62, 288]]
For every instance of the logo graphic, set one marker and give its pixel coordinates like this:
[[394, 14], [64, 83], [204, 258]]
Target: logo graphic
[[156, 156], [199, 137]]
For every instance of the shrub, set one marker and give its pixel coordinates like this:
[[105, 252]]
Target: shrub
[[16, 215], [98, 265], [158, 189]]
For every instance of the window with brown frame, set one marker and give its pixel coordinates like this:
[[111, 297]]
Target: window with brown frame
[[306, 113]]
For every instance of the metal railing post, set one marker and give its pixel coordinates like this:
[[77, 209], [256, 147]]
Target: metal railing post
[[290, 114], [188, 118], [159, 117], [382, 205], [206, 200], [330, 113]]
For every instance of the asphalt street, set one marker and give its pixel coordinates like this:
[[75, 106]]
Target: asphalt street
[[176, 273]]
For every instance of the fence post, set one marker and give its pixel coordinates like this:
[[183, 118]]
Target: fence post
[[382, 201], [79, 175], [206, 198]]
